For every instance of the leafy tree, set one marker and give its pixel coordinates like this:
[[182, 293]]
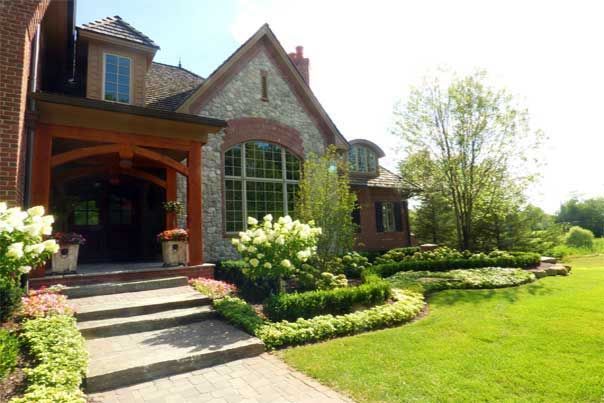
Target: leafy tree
[[469, 142], [325, 197], [588, 214], [579, 238]]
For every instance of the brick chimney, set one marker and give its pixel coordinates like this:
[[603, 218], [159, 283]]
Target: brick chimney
[[301, 62]]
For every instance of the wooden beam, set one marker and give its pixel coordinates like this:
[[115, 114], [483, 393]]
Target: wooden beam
[[167, 161], [82, 172], [194, 206], [106, 136], [171, 195], [84, 152]]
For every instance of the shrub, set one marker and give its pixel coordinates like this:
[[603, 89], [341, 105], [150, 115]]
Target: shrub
[[397, 254], [61, 359], [232, 271], [10, 298], [21, 240], [212, 288], [509, 259], [579, 238], [239, 313], [284, 333], [276, 250], [490, 277], [337, 301], [9, 352], [44, 302]]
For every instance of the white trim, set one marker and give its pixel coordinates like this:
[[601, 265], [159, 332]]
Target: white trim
[[130, 81]]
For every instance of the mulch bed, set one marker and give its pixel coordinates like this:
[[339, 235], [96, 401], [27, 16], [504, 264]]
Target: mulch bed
[[14, 384]]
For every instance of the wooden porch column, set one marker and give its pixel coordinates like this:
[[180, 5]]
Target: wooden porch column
[[194, 207], [40, 178], [170, 196], [41, 168]]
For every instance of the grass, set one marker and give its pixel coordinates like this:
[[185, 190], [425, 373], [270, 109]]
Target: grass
[[541, 342]]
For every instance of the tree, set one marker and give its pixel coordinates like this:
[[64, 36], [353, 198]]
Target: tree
[[467, 141], [588, 214], [325, 197]]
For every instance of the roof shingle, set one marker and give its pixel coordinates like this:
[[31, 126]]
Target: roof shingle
[[385, 179], [167, 87], [118, 28]]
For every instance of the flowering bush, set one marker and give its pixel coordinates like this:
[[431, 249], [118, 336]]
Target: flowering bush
[[276, 250], [213, 288], [21, 240], [44, 302], [174, 207], [178, 234], [67, 238]]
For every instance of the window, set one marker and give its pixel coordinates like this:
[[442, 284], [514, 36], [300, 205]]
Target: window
[[264, 85], [362, 159], [86, 213], [260, 178], [116, 79], [388, 217], [356, 216]]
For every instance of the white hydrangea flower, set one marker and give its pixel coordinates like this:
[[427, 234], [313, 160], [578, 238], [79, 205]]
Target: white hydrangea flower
[[36, 248], [252, 221], [286, 263], [51, 245], [15, 250], [268, 217], [267, 265], [3, 207], [37, 211], [254, 262], [25, 269]]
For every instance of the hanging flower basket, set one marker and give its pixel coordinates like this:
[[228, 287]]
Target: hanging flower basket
[[66, 258], [174, 247]]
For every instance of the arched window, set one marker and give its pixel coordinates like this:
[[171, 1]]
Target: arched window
[[362, 159], [259, 178]]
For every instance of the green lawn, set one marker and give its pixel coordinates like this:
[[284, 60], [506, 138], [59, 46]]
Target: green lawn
[[538, 342]]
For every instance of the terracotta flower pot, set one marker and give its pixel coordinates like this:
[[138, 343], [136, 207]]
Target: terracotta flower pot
[[175, 253], [66, 259]]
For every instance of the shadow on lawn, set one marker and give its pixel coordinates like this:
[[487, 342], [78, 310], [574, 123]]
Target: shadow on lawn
[[511, 294]]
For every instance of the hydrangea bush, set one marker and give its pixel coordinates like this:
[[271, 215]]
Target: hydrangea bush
[[276, 250], [22, 244]]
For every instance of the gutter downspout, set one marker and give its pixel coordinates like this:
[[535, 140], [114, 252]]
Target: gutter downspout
[[31, 109]]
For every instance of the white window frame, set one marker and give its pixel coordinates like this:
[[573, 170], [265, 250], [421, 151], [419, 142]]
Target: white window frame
[[388, 220], [244, 179], [105, 54]]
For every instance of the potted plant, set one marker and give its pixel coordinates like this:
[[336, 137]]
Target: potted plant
[[173, 210], [66, 258], [174, 246]]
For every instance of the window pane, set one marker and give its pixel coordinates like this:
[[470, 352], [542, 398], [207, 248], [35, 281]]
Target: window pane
[[264, 198], [125, 98], [123, 79], [292, 166], [371, 161], [263, 160], [232, 161], [388, 216], [124, 64], [234, 206], [292, 192], [111, 59]]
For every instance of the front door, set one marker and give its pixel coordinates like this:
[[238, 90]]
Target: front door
[[118, 216]]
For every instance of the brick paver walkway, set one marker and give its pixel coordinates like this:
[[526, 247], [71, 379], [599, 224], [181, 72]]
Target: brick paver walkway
[[260, 379]]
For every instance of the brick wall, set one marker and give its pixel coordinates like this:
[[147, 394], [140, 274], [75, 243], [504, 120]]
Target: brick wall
[[18, 22], [369, 238]]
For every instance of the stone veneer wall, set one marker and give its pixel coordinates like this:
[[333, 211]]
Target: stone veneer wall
[[239, 98]]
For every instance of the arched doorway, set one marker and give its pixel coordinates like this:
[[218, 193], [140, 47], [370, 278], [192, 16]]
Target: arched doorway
[[118, 214]]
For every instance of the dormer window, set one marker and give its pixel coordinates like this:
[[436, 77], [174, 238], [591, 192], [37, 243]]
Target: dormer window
[[116, 87], [362, 159]]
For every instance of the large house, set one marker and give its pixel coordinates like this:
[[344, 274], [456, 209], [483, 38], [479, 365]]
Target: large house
[[94, 129]]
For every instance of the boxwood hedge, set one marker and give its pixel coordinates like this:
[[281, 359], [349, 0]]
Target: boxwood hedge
[[337, 301], [517, 259]]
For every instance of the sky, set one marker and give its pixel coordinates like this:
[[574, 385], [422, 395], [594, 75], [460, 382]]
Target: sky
[[364, 56]]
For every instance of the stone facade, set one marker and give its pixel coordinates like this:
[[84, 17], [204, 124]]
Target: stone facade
[[240, 98]]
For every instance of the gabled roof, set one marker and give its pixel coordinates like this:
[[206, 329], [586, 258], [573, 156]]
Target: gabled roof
[[385, 179], [167, 87], [118, 28], [228, 69]]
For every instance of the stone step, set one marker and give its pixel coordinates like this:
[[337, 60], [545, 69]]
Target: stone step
[[137, 303], [141, 357], [93, 329], [123, 287]]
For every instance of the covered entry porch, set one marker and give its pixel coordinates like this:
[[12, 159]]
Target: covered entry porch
[[104, 170]]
